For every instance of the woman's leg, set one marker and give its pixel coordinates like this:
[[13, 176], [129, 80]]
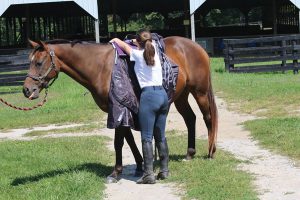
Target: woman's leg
[[147, 119], [160, 139]]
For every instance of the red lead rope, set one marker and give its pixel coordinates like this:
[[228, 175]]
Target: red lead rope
[[26, 109]]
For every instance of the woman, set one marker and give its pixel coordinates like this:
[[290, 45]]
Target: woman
[[153, 107]]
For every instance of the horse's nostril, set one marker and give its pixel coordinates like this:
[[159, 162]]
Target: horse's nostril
[[26, 91]]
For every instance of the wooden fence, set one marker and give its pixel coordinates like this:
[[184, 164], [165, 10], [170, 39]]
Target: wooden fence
[[13, 68], [279, 53]]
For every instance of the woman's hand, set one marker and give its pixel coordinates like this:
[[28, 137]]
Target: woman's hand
[[124, 46]]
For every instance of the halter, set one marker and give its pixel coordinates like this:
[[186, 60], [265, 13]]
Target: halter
[[41, 79]]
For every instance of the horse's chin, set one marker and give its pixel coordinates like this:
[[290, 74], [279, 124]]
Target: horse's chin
[[34, 95]]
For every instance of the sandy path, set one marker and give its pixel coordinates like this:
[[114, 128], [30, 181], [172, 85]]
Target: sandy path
[[276, 177]]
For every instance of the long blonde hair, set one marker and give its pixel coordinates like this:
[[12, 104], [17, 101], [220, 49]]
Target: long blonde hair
[[144, 38]]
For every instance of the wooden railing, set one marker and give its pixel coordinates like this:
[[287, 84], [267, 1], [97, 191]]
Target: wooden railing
[[279, 53], [13, 69]]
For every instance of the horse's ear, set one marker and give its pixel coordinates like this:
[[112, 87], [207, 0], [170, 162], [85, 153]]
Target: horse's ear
[[43, 45], [32, 43]]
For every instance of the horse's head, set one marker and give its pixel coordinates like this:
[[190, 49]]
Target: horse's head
[[43, 68]]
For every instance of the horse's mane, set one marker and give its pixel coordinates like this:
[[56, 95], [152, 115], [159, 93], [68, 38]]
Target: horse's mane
[[62, 41]]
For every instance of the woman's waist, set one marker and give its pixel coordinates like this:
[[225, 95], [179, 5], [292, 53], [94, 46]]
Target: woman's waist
[[152, 87]]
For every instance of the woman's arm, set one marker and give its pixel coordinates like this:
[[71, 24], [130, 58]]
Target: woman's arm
[[123, 45]]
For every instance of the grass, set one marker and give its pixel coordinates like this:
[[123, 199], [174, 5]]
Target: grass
[[273, 96], [76, 168], [67, 102], [279, 134], [64, 168], [208, 179], [276, 94]]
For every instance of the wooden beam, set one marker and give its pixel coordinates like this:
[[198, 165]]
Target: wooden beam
[[114, 17], [274, 9], [97, 32], [193, 35]]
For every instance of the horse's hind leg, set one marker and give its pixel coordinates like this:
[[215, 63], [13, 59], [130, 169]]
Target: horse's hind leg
[[184, 108], [135, 151], [208, 108]]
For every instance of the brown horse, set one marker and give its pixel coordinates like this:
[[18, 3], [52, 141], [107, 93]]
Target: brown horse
[[91, 66]]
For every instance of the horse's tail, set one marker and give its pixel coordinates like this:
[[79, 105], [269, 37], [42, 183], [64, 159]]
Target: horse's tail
[[212, 137]]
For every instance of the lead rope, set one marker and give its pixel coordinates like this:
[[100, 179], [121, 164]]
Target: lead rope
[[26, 109]]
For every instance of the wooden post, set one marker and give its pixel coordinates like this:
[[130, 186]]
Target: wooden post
[[295, 61], [28, 31], [97, 32], [114, 18], [283, 55], [186, 17], [39, 28], [274, 9], [193, 35], [45, 27], [7, 31], [32, 27], [15, 30], [49, 28], [1, 31]]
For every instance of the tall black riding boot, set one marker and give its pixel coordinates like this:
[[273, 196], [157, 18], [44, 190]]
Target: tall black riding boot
[[148, 176], [163, 152]]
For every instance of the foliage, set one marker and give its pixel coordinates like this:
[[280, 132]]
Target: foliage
[[152, 21], [232, 16], [218, 17]]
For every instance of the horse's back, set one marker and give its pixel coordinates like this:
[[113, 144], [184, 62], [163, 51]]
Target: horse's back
[[193, 62]]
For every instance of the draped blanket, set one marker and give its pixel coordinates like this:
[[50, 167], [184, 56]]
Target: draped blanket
[[124, 88]]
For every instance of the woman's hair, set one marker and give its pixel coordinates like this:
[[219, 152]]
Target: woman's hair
[[144, 38]]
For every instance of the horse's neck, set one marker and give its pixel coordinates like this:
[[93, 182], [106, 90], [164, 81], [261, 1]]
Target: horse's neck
[[91, 66], [79, 62]]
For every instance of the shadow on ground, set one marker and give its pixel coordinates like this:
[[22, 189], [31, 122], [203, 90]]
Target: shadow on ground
[[97, 168]]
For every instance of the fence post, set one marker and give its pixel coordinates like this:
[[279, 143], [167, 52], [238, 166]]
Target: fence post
[[295, 62], [283, 55], [228, 57]]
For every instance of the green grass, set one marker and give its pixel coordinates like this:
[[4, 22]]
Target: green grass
[[276, 94], [64, 168], [67, 103], [208, 179], [76, 168], [273, 96], [279, 134]]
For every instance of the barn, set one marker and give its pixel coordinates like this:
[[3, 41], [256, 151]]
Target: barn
[[88, 20]]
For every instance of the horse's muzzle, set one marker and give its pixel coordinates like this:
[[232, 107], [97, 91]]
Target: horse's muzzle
[[31, 93]]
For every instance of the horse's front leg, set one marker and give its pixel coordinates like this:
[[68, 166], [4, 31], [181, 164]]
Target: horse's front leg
[[118, 145]]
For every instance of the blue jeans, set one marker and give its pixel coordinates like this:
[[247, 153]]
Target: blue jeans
[[153, 112]]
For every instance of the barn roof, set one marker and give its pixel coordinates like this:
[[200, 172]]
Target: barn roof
[[42, 8], [211, 4]]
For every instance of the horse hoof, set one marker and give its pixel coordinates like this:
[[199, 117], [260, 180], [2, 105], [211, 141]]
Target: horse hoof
[[111, 179]]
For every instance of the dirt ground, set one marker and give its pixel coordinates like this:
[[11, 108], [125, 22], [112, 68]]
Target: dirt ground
[[276, 177]]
